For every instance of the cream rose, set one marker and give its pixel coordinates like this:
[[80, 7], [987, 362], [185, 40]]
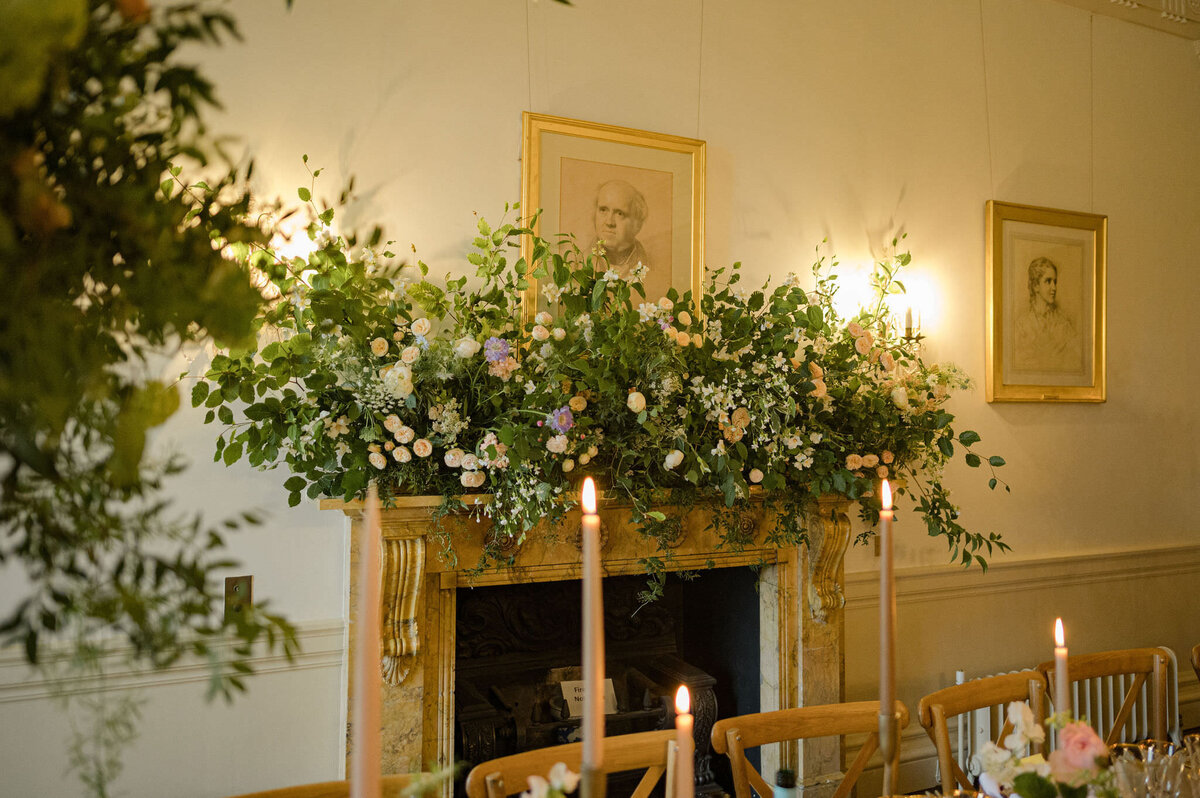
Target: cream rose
[[685, 318], [401, 454], [559, 333], [881, 472], [421, 327], [697, 340], [635, 401], [888, 457], [870, 460], [854, 462], [756, 475], [900, 397], [673, 459], [855, 329], [410, 354], [557, 444], [378, 460], [543, 318], [887, 361], [392, 423], [379, 347], [540, 333], [568, 465], [470, 462], [466, 347], [665, 304], [472, 479], [405, 434], [683, 339], [585, 458], [862, 345], [422, 447], [453, 457]]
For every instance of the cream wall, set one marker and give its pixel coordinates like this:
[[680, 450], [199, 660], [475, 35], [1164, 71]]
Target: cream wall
[[849, 121]]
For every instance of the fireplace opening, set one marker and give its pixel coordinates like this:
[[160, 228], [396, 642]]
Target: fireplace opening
[[517, 644]]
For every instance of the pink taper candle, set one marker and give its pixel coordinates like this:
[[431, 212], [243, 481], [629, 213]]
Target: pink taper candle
[[685, 745], [1062, 681], [365, 779], [887, 636], [593, 634]]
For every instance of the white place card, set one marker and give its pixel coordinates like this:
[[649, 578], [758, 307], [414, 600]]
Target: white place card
[[573, 695]]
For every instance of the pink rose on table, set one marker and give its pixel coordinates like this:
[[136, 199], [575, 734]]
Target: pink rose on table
[[1078, 748]]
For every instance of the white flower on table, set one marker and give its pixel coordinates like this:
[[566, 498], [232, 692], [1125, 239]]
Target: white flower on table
[[1025, 729], [560, 782]]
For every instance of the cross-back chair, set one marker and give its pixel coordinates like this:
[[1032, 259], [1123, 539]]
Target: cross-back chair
[[989, 692], [1107, 674], [393, 787], [509, 775], [732, 736]]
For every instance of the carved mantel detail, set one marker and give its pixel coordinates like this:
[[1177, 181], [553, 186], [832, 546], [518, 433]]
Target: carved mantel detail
[[829, 531], [403, 572]]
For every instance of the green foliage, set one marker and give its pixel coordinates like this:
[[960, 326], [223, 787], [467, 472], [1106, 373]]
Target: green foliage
[[374, 371], [111, 257]]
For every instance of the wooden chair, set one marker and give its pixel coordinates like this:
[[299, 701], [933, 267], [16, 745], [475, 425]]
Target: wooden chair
[[1097, 700], [732, 736], [937, 708], [393, 787], [509, 775]]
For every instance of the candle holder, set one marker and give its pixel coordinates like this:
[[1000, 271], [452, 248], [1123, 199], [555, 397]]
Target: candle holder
[[593, 783], [889, 735]]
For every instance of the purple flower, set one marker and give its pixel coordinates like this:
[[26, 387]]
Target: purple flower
[[561, 420], [495, 349]]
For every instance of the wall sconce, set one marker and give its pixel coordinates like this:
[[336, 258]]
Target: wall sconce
[[912, 332]]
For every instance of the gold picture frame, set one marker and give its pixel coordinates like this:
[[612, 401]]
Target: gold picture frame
[[572, 168], [1045, 304]]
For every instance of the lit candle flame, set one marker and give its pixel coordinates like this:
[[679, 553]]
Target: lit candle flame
[[683, 701], [589, 496], [1059, 640], [886, 492]]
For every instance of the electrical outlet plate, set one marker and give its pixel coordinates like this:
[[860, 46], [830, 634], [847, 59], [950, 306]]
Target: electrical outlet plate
[[239, 592]]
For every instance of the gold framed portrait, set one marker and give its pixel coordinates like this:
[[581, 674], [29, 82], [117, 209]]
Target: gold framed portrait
[[1045, 304], [640, 193]]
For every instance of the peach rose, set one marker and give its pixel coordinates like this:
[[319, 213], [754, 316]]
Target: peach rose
[[422, 327], [540, 333], [392, 423], [683, 339], [685, 318], [881, 472], [379, 347], [888, 457], [405, 434], [577, 403], [862, 345], [819, 390], [543, 318], [378, 460], [422, 447], [401, 454], [1078, 749], [410, 354], [756, 475], [636, 401], [870, 460], [853, 462]]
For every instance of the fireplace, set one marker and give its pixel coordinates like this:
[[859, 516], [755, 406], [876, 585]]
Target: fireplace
[[799, 607]]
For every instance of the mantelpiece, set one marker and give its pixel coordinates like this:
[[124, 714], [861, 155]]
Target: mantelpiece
[[800, 612]]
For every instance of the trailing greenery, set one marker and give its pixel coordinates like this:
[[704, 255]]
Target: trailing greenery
[[374, 371], [111, 262]]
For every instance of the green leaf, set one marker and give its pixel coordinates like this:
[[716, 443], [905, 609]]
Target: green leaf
[[968, 437], [304, 194], [947, 448], [199, 393], [973, 460], [1031, 785], [996, 460], [656, 515], [295, 484]]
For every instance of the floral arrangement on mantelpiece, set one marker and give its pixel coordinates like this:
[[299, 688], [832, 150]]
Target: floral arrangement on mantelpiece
[[373, 371], [1079, 767]]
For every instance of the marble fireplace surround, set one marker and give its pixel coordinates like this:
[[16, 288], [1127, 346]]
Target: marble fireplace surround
[[800, 614]]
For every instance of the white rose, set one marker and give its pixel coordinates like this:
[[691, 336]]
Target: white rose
[[685, 318], [378, 460], [756, 475], [635, 401], [410, 354], [568, 465], [379, 347], [540, 333], [421, 327], [422, 447], [401, 454], [453, 457], [405, 434], [557, 444], [1025, 729], [543, 318], [470, 462], [559, 333], [466, 347], [900, 396], [585, 458], [673, 459], [392, 423]]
